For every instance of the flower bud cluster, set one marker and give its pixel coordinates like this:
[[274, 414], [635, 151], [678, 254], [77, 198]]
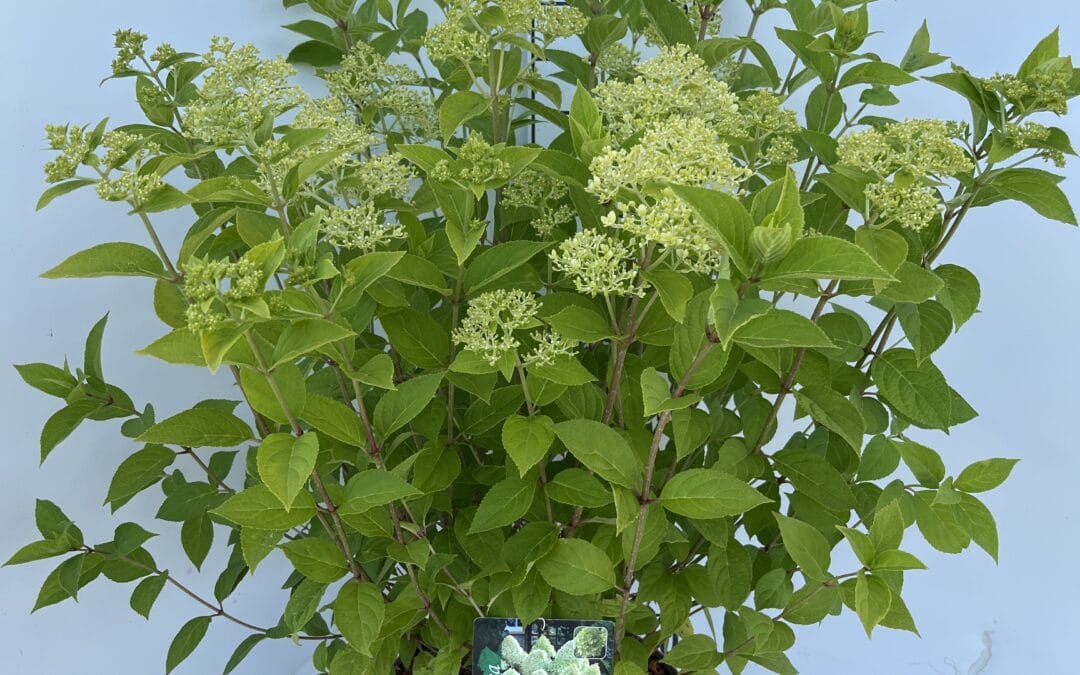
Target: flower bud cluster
[[540, 193], [917, 154], [203, 283], [681, 150], [132, 186], [130, 45], [598, 264], [477, 163], [1044, 89], [1026, 135], [670, 223], [549, 346], [238, 92], [674, 83], [74, 146], [451, 40], [489, 324], [370, 85], [358, 228]]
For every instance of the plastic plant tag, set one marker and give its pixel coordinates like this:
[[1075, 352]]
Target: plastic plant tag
[[554, 647]]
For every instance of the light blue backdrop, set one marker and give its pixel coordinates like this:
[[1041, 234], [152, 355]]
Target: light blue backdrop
[[1016, 363]]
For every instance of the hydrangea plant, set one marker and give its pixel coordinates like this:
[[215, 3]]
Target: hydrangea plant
[[481, 373]]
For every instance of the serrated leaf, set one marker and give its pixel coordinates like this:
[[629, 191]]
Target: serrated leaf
[[259, 508], [602, 450], [527, 440], [709, 493], [504, 503], [285, 464], [576, 567], [806, 546], [317, 559], [116, 259], [358, 613], [199, 427], [187, 639]]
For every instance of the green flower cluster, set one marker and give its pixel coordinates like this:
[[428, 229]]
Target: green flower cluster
[[541, 194], [492, 318], [674, 83], [239, 92], [908, 160], [358, 228], [598, 264], [204, 280], [130, 45]]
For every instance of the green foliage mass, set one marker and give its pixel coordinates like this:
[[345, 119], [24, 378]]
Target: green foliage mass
[[481, 375]]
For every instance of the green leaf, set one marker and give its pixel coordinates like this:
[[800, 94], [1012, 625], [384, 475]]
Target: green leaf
[[918, 54], [1046, 50], [671, 22], [61, 189], [831, 409], [358, 613], [458, 108], [806, 546], [315, 558], [285, 464], [925, 463], [576, 567], [333, 418], [118, 259], [580, 323], [40, 550], [985, 475], [674, 290], [709, 493], [694, 652], [602, 450], [259, 508], [305, 336], [63, 422], [980, 525], [879, 459], [814, 477], [940, 524], [374, 487], [874, 72], [727, 217], [378, 371], [242, 650], [303, 603], [781, 328], [1038, 189], [187, 639], [656, 395], [914, 283], [872, 600], [504, 503], [826, 258], [397, 408], [199, 427], [138, 472], [497, 262], [180, 347], [578, 487], [896, 560], [527, 440], [197, 536], [418, 338], [146, 593], [365, 270], [960, 295], [47, 378], [926, 325], [130, 536], [917, 391]]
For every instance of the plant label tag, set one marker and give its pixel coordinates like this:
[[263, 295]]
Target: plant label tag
[[551, 646]]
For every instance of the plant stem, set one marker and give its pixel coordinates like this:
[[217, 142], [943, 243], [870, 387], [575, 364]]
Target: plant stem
[[337, 532], [796, 364], [645, 497]]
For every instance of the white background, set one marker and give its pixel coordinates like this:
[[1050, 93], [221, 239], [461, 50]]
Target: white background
[[1015, 362]]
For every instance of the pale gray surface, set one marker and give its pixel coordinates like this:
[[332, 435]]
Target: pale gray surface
[[54, 57]]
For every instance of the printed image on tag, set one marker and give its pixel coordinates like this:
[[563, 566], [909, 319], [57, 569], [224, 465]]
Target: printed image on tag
[[544, 647]]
